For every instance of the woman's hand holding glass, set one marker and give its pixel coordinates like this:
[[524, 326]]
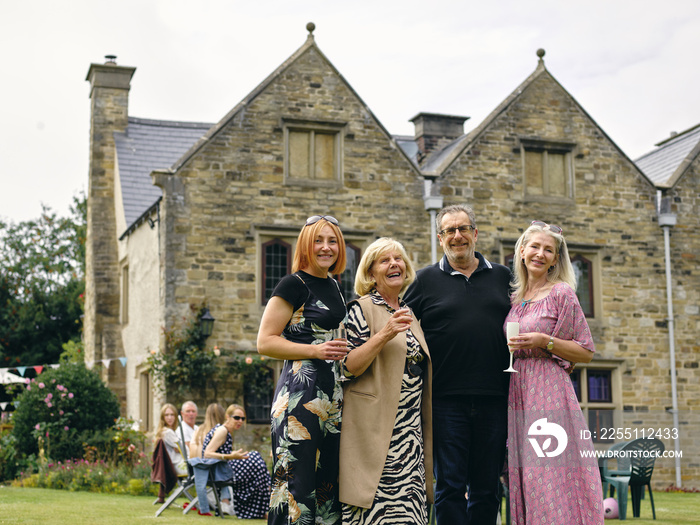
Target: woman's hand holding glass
[[335, 349]]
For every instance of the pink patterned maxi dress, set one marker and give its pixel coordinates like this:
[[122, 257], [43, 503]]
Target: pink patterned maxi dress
[[551, 480]]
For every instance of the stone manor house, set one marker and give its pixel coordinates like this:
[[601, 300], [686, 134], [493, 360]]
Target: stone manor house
[[182, 213]]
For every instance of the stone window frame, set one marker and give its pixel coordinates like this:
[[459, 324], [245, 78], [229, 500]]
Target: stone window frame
[[337, 129], [264, 266], [576, 252], [568, 149], [614, 407]]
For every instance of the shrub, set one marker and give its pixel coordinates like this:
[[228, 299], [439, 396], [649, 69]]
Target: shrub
[[93, 476], [59, 409], [185, 365]]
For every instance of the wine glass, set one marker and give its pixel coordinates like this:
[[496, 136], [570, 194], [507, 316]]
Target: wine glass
[[512, 330]]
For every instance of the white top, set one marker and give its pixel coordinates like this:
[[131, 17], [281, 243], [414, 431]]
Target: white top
[[172, 445]]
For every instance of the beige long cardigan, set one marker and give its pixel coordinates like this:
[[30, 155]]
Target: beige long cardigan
[[370, 404]]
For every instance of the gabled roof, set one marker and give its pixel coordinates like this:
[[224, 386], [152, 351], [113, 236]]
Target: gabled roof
[[440, 161], [666, 164], [147, 145], [309, 43]]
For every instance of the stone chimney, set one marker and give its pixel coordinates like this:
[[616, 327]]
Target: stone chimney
[[109, 110], [434, 130]]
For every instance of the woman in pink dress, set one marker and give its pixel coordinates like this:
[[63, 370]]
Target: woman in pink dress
[[552, 479]]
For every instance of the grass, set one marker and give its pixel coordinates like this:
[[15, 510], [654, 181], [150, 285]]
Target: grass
[[61, 507], [672, 508]]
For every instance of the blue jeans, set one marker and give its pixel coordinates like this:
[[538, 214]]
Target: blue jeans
[[222, 472], [469, 447]]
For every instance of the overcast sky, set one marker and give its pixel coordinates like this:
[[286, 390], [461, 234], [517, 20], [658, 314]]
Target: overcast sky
[[632, 64]]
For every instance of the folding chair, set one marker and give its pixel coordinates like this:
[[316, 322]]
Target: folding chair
[[185, 483], [214, 481]]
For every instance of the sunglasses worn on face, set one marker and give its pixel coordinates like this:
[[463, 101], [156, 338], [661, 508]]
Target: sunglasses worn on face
[[315, 218], [551, 227], [238, 418]]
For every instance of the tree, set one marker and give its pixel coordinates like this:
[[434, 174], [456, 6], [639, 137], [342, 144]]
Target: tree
[[42, 269]]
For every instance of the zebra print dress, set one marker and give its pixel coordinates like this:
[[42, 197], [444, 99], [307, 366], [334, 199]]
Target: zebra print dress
[[400, 497]]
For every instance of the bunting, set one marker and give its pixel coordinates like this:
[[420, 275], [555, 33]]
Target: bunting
[[22, 370], [40, 368]]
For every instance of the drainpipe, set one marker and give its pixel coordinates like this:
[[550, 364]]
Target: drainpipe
[[667, 220], [433, 204]]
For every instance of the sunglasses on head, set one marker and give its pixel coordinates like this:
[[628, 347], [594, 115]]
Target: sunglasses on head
[[315, 218], [551, 227], [238, 418]]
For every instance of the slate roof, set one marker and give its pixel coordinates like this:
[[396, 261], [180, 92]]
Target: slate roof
[[145, 146], [662, 164], [408, 146]]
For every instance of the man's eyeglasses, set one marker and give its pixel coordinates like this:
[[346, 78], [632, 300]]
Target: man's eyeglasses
[[449, 232], [315, 218], [551, 227], [238, 418]]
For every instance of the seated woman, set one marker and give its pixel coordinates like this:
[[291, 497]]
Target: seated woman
[[166, 432], [167, 427], [203, 457], [251, 489]]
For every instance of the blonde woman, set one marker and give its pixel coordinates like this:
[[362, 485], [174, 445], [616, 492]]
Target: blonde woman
[[251, 489], [165, 432], [558, 485], [203, 457], [167, 426], [386, 442]]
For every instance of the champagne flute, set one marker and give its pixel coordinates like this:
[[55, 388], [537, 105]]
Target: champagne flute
[[512, 330]]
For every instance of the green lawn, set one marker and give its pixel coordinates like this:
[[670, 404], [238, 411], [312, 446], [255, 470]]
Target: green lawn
[[59, 507], [671, 509]]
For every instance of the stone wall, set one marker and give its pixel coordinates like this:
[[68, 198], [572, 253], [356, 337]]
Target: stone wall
[[611, 214]]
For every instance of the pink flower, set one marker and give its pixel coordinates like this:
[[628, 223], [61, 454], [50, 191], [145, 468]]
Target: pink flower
[[36, 427], [29, 387], [41, 385], [249, 360], [65, 428], [70, 395], [60, 412], [49, 405], [131, 448], [49, 396]]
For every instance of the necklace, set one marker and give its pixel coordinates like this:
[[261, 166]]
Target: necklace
[[528, 301]]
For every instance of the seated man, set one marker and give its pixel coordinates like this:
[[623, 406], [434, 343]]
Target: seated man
[[189, 416]]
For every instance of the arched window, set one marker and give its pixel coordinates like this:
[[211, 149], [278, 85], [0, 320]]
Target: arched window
[[347, 278], [277, 262]]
